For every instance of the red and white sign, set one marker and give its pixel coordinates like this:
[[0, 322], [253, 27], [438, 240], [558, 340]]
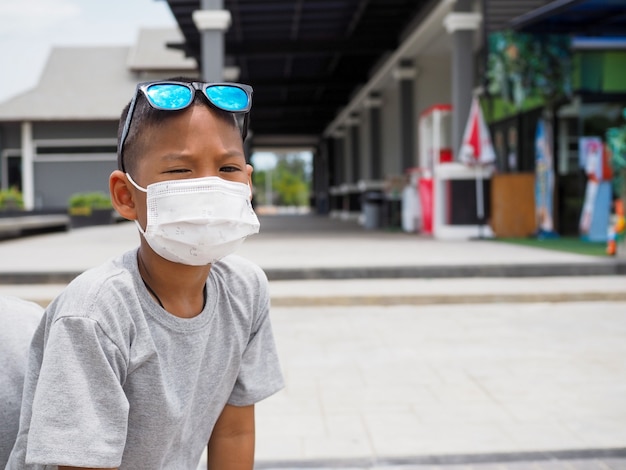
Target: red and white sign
[[476, 147]]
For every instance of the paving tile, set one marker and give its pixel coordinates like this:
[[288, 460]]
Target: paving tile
[[615, 463], [586, 464]]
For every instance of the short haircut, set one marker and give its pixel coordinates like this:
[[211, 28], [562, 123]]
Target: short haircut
[[145, 117]]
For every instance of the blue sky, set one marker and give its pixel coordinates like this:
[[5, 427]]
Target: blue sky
[[29, 28]]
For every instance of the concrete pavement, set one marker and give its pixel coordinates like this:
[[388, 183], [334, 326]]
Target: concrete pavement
[[378, 386], [391, 363], [337, 256], [308, 247]]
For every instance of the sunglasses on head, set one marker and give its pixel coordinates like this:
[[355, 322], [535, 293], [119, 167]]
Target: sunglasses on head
[[234, 98]]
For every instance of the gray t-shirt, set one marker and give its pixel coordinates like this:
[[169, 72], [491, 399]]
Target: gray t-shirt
[[18, 321], [116, 381]]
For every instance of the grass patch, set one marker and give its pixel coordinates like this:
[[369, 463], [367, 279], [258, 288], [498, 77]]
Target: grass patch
[[566, 244]]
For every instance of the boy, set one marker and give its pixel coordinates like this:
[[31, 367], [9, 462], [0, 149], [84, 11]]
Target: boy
[[142, 361]]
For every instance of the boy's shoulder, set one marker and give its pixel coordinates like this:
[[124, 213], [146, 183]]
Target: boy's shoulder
[[115, 270], [237, 267], [240, 277], [106, 284]]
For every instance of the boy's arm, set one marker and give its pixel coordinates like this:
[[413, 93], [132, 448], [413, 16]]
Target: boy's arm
[[231, 446]]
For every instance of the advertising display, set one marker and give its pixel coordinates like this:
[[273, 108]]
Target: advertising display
[[595, 214], [544, 180]]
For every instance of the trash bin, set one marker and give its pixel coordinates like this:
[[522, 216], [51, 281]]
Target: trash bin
[[372, 209], [411, 210]]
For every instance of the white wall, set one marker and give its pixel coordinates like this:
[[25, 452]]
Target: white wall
[[434, 83], [433, 86]]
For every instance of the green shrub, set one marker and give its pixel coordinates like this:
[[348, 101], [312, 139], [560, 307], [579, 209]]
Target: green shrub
[[85, 203], [11, 199], [94, 200]]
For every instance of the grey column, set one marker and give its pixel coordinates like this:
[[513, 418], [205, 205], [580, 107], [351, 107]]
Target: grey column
[[461, 24], [338, 200], [405, 74], [339, 163], [356, 149], [212, 21], [329, 142], [373, 103], [28, 165], [321, 177]]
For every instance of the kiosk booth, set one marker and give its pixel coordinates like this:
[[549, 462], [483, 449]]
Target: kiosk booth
[[448, 189]]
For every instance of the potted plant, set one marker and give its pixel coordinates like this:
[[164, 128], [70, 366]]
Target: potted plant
[[11, 200], [90, 208]]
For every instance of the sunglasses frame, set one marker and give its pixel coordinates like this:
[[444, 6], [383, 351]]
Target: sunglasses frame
[[193, 87]]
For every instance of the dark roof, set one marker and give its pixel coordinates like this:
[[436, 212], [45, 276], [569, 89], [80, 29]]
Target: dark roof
[[498, 13], [304, 58], [580, 17]]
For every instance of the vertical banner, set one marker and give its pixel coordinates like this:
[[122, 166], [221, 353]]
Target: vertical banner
[[590, 159], [544, 180], [595, 214]]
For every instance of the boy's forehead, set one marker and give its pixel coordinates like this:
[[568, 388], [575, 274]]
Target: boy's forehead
[[194, 127], [205, 113]]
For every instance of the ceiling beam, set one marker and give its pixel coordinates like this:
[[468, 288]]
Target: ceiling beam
[[367, 46]]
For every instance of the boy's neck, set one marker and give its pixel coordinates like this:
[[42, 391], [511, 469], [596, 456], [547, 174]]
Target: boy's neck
[[180, 289]]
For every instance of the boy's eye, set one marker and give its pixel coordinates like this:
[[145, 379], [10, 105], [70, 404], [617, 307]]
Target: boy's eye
[[229, 169], [177, 170]]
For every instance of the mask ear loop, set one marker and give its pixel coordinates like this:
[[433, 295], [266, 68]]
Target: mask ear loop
[[132, 181]]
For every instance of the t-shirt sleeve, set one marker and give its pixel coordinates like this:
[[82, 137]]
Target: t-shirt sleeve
[[260, 375], [80, 410]]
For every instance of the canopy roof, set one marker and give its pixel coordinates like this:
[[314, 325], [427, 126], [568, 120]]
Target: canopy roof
[[304, 58], [580, 17]]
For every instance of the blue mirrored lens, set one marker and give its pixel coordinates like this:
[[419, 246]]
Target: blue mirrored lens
[[169, 96], [229, 98]]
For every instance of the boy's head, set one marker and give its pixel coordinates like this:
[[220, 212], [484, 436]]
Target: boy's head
[[156, 102]]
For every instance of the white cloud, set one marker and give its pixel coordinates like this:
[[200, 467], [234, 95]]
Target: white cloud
[[30, 28], [28, 16]]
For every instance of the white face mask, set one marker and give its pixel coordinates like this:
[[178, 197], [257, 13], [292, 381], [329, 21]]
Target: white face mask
[[197, 221]]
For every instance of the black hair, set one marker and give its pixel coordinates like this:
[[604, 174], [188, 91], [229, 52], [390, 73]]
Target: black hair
[[145, 116]]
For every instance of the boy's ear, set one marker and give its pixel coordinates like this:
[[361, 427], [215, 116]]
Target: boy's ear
[[121, 195]]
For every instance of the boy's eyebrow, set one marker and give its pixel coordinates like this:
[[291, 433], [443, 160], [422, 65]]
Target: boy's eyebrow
[[182, 156]]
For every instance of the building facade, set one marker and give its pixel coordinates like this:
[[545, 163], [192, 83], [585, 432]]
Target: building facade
[[404, 122], [61, 137]]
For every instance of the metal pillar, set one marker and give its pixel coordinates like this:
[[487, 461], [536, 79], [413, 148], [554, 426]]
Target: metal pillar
[[321, 177], [405, 74], [28, 155], [212, 21], [339, 164], [337, 202], [355, 148], [461, 25], [373, 103]]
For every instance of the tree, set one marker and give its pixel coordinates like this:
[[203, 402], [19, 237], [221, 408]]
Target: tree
[[289, 182], [523, 66]]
